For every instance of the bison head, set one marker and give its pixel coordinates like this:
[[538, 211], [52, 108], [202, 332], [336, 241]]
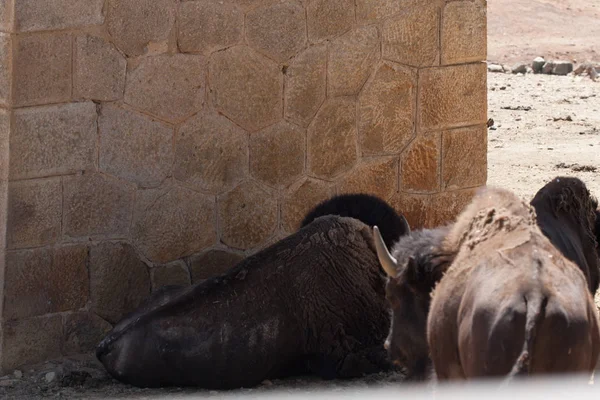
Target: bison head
[[412, 276]]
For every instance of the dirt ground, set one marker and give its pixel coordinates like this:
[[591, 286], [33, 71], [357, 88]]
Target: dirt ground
[[545, 126]]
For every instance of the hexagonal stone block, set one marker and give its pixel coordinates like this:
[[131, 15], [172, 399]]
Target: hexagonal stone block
[[31, 341], [420, 166], [53, 140], [412, 37], [247, 216], [206, 26], [414, 207], [134, 147], [332, 138], [42, 68], [378, 177], [211, 153], [277, 154], [45, 280], [386, 110], [83, 331], [464, 32], [212, 263], [277, 30], [305, 85], [446, 206], [96, 204], [119, 280], [173, 222], [246, 87], [328, 18], [35, 15], [175, 273], [34, 213], [453, 96], [300, 199], [352, 58], [99, 69], [464, 157], [134, 25], [168, 86]]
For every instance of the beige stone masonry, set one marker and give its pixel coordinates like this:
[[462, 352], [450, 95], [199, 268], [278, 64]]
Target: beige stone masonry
[[146, 143]]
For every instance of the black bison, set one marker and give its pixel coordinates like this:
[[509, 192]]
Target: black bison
[[312, 303], [507, 301], [566, 214], [367, 208]]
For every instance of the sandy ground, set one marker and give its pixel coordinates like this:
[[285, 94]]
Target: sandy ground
[[545, 126]]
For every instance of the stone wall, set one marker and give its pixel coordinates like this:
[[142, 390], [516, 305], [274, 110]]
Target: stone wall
[[160, 141]]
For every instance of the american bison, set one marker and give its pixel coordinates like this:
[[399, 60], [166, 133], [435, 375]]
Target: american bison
[[566, 214], [507, 301], [367, 208], [313, 302]]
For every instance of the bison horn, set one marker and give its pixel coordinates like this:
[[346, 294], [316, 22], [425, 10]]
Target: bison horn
[[406, 225], [386, 260]]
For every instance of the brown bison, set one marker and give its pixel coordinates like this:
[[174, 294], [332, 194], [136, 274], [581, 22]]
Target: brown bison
[[507, 301], [566, 214], [312, 303]]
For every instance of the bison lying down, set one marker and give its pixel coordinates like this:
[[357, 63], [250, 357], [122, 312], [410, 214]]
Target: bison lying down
[[507, 300], [313, 302]]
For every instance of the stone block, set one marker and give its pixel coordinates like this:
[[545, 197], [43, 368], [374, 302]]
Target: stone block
[[306, 85], [34, 213], [168, 86], [211, 153], [247, 216], [82, 332], [453, 96], [378, 177], [300, 199], [414, 207], [6, 15], [352, 58], [5, 69], [136, 25], [464, 157], [212, 263], [329, 18], [412, 37], [277, 30], [446, 206], [42, 69], [386, 110], [119, 280], [420, 167], [173, 222], [31, 341], [96, 204], [99, 70], [49, 15], [134, 147], [277, 154], [206, 26], [332, 138], [464, 32], [369, 10], [175, 273], [53, 140], [246, 87], [45, 280]]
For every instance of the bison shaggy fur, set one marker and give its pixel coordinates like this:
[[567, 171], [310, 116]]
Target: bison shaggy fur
[[369, 209], [313, 302]]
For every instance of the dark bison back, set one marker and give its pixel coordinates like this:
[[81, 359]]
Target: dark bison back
[[566, 216], [371, 210], [312, 302]]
